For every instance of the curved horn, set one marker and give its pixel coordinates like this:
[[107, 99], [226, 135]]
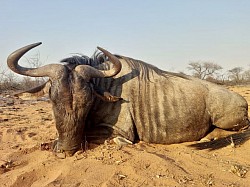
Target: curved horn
[[91, 72], [48, 70], [116, 62]]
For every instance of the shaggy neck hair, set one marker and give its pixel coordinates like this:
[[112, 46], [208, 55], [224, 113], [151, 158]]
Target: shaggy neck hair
[[98, 58]]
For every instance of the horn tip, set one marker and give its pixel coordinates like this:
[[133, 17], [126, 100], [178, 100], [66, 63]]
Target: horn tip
[[38, 43], [103, 50], [99, 48], [35, 45]]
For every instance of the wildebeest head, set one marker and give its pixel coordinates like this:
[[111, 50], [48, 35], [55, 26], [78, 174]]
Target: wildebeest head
[[71, 93]]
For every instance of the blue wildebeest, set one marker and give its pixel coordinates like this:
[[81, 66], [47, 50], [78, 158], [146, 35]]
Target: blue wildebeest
[[156, 106]]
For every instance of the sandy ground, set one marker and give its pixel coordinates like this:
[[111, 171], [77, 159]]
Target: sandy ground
[[25, 125]]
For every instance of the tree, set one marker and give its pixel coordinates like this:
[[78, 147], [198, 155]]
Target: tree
[[33, 62], [246, 75], [235, 74], [203, 70], [10, 80]]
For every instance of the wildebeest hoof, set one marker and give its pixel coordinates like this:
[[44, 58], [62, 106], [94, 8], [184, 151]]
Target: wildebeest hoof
[[204, 140], [61, 155], [120, 141]]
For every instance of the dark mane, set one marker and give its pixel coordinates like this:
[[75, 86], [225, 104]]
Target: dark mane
[[79, 59], [98, 59], [147, 69]]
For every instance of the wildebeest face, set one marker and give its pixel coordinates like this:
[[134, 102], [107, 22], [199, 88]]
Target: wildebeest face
[[71, 97], [71, 94]]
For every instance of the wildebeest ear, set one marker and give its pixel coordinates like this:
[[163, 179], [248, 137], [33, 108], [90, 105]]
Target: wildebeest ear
[[106, 96], [35, 92]]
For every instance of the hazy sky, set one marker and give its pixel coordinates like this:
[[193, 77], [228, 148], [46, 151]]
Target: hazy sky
[[166, 33]]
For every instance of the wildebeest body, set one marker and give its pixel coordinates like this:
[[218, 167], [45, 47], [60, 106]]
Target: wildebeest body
[[157, 106], [163, 107]]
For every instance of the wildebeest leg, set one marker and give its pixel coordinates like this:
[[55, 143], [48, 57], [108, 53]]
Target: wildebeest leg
[[228, 110], [103, 132], [98, 134], [120, 141], [216, 133], [120, 137], [232, 122]]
